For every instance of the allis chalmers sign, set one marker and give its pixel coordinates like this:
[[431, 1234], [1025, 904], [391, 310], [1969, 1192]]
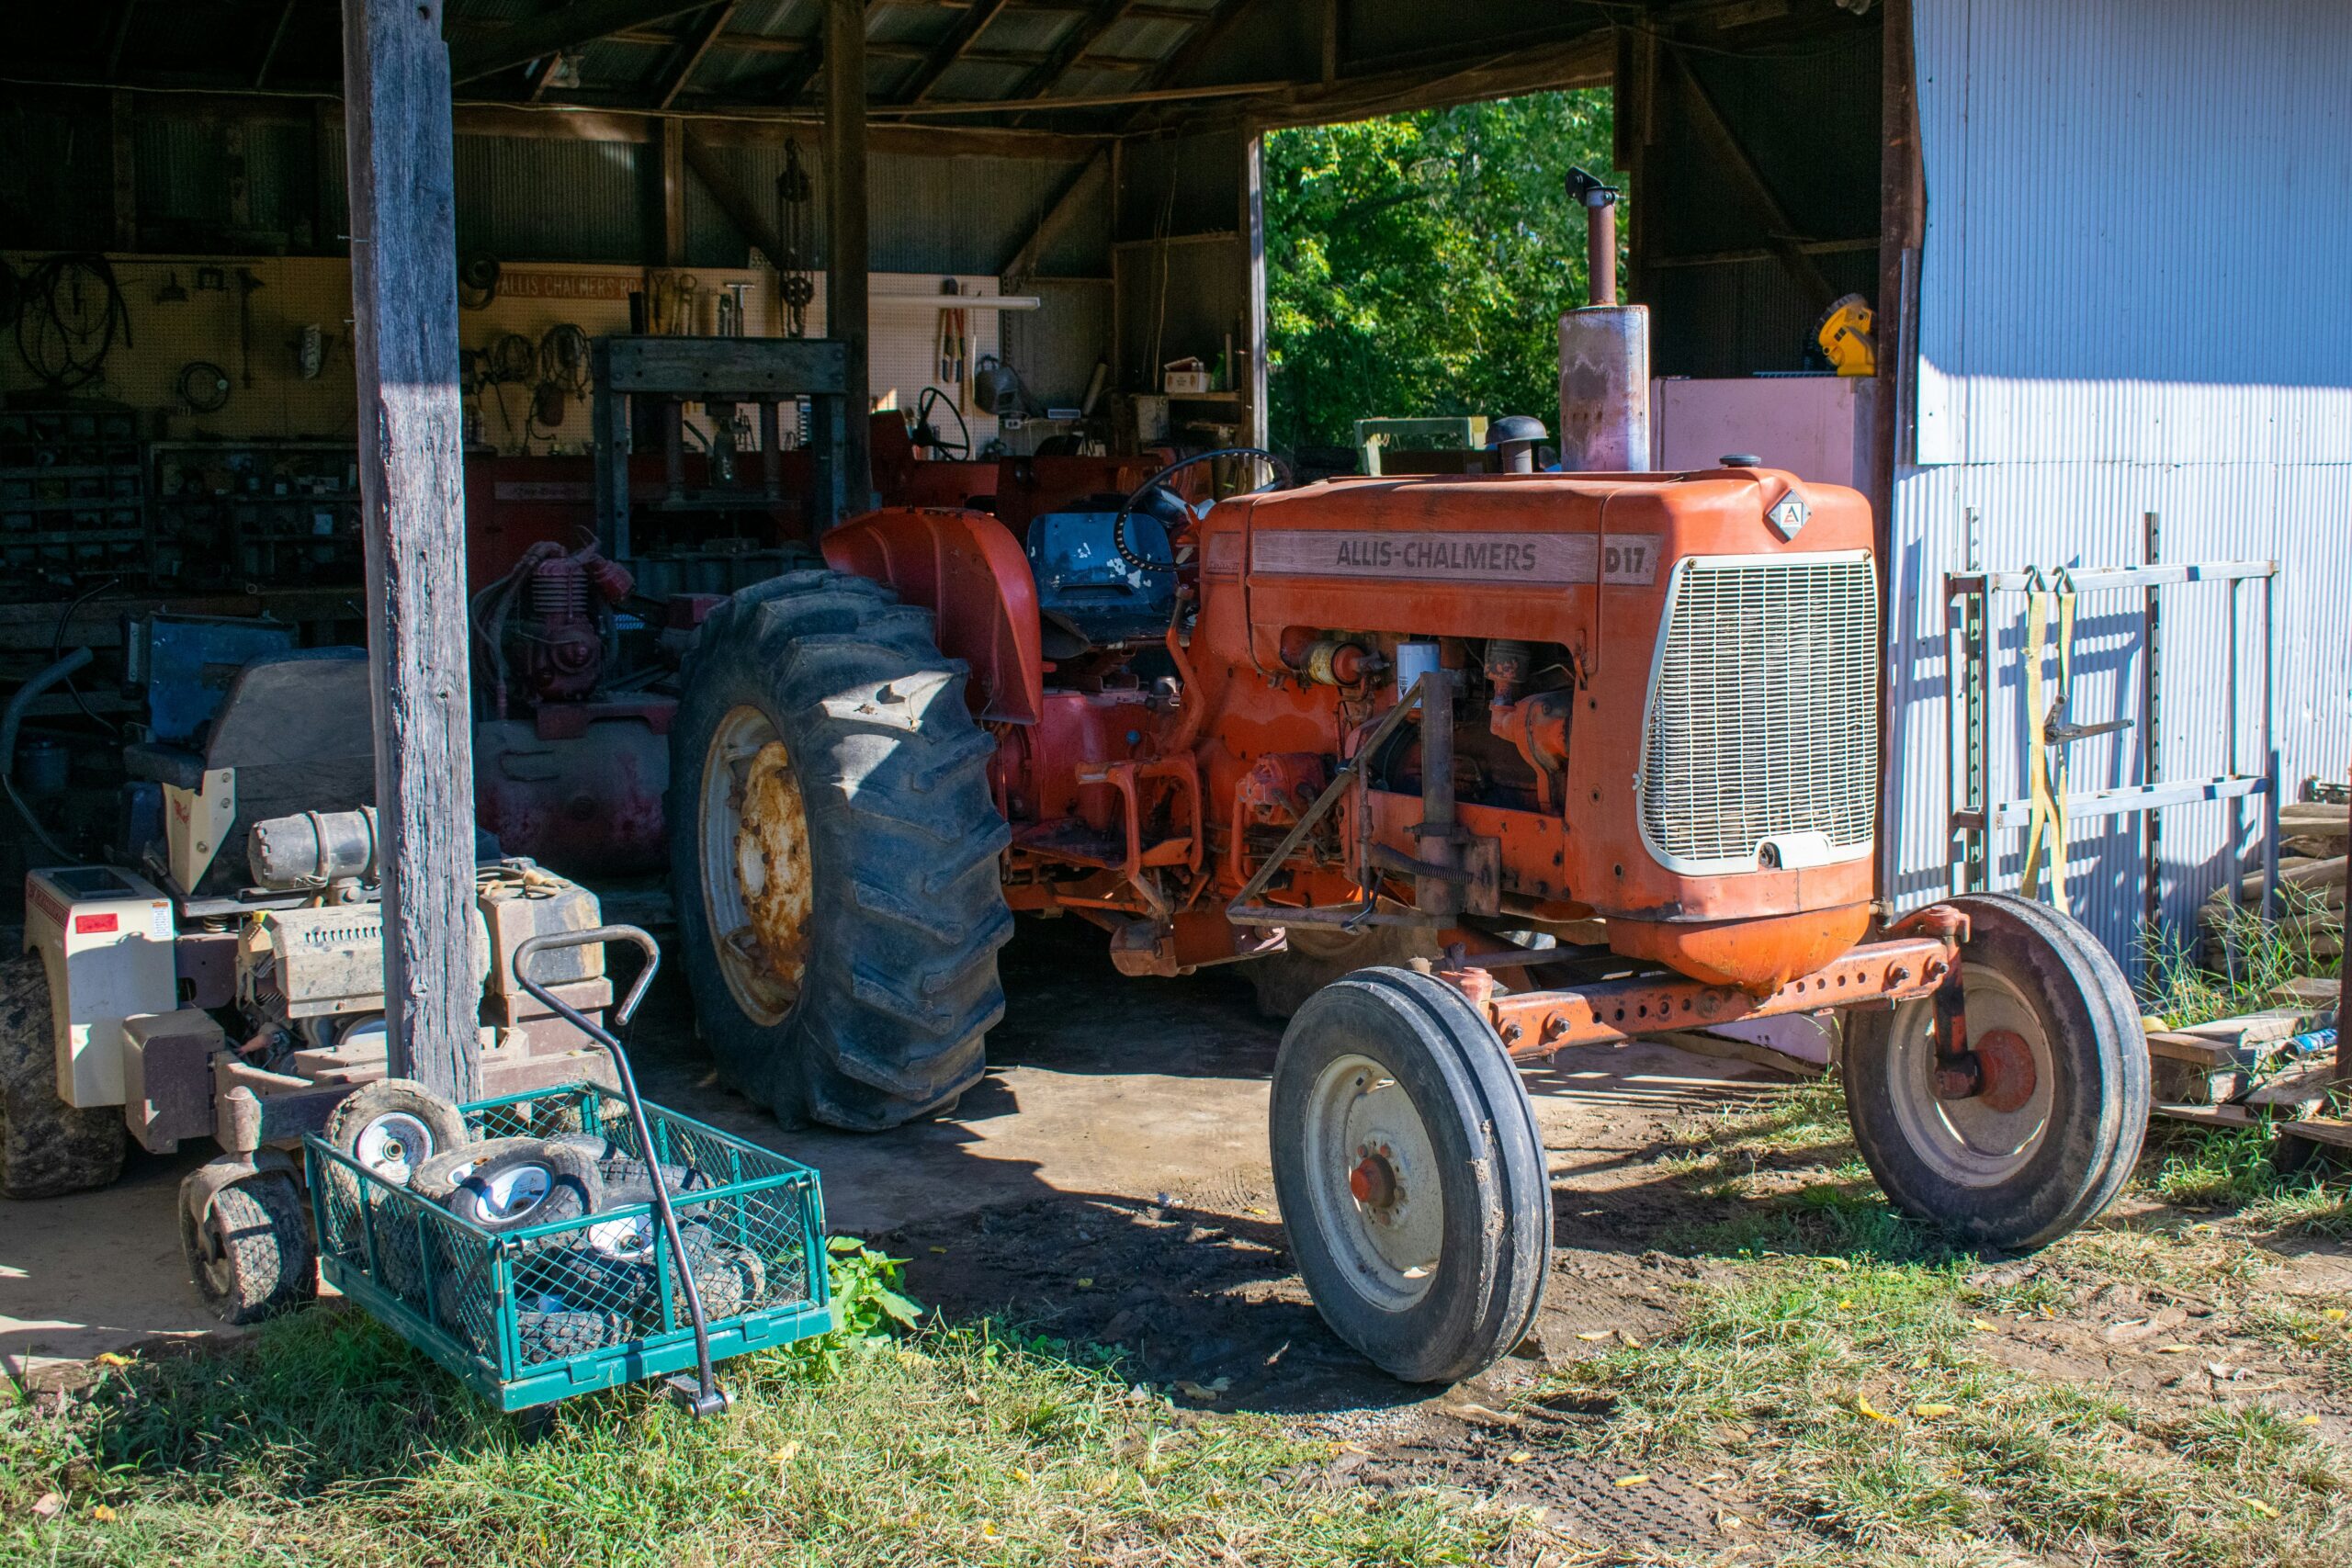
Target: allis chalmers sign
[[1545, 559]]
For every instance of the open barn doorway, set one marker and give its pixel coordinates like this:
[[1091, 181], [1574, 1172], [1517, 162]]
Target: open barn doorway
[[1416, 265]]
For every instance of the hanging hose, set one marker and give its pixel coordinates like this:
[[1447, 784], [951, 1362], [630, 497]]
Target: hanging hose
[[71, 313], [11, 720]]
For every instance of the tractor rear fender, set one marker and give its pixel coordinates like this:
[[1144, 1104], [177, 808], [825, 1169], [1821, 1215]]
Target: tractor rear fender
[[969, 571]]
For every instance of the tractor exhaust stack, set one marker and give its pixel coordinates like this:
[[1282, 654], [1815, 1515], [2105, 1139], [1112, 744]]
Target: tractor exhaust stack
[[1605, 355]]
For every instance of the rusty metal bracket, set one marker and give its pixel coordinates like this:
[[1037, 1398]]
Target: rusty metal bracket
[[1539, 1022], [1245, 910]]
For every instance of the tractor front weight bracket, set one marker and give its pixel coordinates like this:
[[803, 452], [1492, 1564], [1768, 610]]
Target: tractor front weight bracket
[[1920, 957]]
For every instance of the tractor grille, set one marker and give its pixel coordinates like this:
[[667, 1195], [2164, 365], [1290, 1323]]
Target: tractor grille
[[1764, 720]]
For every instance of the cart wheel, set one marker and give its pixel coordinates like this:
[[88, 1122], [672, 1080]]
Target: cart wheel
[[2062, 1103], [437, 1180], [1410, 1175], [250, 1254], [393, 1125], [537, 1184]]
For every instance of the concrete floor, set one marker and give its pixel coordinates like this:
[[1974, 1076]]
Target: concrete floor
[[1150, 1091]]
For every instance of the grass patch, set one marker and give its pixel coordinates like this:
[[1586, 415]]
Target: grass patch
[[2260, 955], [326, 1441], [1852, 1399]]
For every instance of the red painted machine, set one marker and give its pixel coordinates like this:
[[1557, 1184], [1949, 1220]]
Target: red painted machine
[[1471, 769], [1606, 744]]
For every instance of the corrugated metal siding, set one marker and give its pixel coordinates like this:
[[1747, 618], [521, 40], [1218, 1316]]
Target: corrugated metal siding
[[546, 200], [2136, 213], [930, 214]]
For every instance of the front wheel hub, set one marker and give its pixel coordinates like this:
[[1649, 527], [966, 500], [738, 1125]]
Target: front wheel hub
[[2006, 1078], [1372, 1182]]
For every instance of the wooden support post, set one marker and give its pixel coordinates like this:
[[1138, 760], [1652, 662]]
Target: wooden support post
[[404, 338], [846, 247], [670, 143]]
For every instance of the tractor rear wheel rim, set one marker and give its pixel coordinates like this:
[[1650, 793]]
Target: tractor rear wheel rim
[[1373, 1169], [1972, 1142], [757, 880]]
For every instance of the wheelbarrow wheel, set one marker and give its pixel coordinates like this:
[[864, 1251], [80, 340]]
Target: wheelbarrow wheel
[[251, 1252], [2060, 1101], [1410, 1175]]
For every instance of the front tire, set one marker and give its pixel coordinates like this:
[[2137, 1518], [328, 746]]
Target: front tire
[[47, 1148], [1410, 1175], [2051, 1137], [834, 854]]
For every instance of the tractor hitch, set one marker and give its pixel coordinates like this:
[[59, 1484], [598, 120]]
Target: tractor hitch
[[1919, 957]]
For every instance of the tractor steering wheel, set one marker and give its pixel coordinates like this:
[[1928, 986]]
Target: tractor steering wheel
[[1127, 507]]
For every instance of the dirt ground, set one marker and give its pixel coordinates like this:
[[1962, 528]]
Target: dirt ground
[[1109, 1184]]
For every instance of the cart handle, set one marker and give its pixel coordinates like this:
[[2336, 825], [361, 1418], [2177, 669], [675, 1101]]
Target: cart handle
[[551, 941], [699, 1395]]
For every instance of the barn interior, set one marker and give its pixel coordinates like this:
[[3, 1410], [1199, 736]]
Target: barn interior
[[1043, 207]]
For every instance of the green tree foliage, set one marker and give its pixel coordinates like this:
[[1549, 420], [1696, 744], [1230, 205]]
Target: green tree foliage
[[1418, 264]]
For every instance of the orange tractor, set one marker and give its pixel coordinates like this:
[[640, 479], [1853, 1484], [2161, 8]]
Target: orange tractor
[[1480, 767]]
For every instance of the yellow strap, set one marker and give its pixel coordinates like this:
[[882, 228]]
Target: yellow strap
[[2046, 764]]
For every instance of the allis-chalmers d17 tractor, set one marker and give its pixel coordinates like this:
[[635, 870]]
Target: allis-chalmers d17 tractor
[[1323, 730]]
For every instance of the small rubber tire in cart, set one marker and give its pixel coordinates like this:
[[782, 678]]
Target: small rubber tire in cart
[[250, 1253], [390, 1127], [1410, 1175], [551, 1335], [2060, 1107], [539, 1184], [626, 1172], [436, 1181], [47, 1148], [595, 1145]]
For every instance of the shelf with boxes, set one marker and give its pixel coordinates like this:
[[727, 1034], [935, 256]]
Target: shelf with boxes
[[274, 512], [72, 500]]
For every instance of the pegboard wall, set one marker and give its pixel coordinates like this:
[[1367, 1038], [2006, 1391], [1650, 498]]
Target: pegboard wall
[[270, 398]]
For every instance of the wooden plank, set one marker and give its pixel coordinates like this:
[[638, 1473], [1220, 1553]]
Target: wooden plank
[[1778, 223], [733, 201], [404, 341], [567, 28], [1024, 260], [691, 49], [949, 49], [2331, 1130], [2207, 1115], [276, 41], [2302, 1088], [670, 139], [748, 368], [846, 251]]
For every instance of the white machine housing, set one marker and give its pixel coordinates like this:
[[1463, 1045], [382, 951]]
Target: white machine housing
[[107, 940]]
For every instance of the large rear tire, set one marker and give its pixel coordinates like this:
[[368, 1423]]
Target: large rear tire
[[834, 854], [2056, 1127], [1410, 1175], [47, 1148]]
